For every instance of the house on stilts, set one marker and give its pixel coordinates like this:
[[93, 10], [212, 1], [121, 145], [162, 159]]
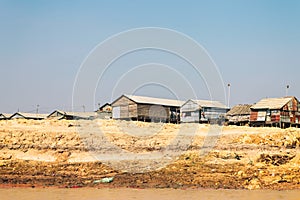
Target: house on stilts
[[279, 112], [149, 109], [203, 111], [239, 115]]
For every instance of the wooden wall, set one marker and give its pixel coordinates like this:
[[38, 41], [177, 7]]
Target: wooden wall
[[127, 108], [190, 112], [153, 111], [286, 115], [124, 108], [237, 119]]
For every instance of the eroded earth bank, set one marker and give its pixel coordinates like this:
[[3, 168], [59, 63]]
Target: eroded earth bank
[[108, 153]]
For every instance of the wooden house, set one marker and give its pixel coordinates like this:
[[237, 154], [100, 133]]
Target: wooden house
[[5, 116], [142, 108], [58, 114], [203, 111], [105, 108], [105, 111], [34, 116], [280, 112], [239, 115]]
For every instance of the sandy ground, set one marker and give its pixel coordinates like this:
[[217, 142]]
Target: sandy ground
[[147, 155]]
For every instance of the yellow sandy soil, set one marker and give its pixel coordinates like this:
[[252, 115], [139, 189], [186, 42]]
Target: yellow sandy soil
[[142, 154]]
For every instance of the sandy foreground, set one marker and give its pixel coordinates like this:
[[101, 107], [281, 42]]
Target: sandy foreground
[[109, 153]]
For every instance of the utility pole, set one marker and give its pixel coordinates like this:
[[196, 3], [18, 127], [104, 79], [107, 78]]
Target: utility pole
[[228, 96], [37, 108], [287, 90], [83, 108]]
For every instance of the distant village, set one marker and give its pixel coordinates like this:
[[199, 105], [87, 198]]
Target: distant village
[[281, 112]]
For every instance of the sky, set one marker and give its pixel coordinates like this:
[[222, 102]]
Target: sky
[[255, 45]]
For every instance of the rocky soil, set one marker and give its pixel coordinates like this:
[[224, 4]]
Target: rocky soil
[[108, 153]]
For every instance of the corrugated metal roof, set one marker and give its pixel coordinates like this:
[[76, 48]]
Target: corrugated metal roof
[[156, 101], [5, 115], [76, 114], [209, 104], [106, 104], [240, 110], [82, 114], [272, 103], [30, 115]]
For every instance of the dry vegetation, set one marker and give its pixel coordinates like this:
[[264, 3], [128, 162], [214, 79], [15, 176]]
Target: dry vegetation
[[66, 153]]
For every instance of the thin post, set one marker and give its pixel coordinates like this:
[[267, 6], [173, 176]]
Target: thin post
[[287, 90], [228, 95]]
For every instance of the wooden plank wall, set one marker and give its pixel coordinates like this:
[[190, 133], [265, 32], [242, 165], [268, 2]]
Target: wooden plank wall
[[193, 109], [153, 111], [128, 108]]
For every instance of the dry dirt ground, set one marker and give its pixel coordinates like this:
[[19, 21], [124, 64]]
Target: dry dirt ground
[[147, 155]]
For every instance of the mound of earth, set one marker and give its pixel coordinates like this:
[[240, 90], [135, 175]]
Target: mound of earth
[[109, 153]]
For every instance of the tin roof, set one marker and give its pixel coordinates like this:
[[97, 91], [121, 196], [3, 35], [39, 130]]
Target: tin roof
[[75, 114], [272, 103], [30, 115], [81, 114], [106, 104], [209, 103], [5, 115], [241, 109], [156, 101]]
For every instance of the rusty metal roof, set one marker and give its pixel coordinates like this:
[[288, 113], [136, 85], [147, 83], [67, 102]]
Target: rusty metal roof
[[155, 101], [241, 109], [272, 103]]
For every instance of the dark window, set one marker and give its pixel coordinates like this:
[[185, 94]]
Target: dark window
[[188, 114]]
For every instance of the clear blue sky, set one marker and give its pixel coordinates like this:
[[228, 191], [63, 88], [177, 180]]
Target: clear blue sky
[[255, 44]]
